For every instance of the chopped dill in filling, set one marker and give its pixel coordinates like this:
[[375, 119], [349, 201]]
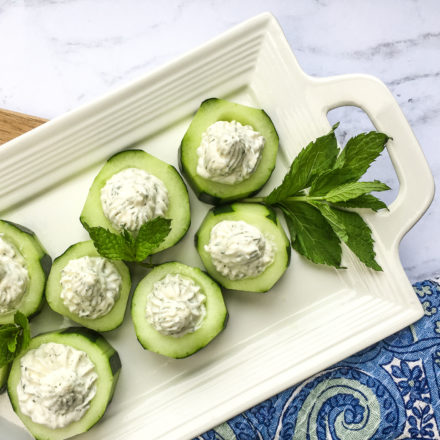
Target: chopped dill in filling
[[176, 306], [239, 250], [229, 152], [132, 197]]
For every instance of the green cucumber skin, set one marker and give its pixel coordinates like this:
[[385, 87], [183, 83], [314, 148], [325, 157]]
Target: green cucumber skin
[[46, 264], [209, 100], [289, 254], [45, 260], [201, 195], [190, 343], [23, 236], [96, 338], [114, 318], [4, 373], [218, 210], [93, 216], [21, 228], [101, 349], [263, 282], [93, 336], [198, 184]]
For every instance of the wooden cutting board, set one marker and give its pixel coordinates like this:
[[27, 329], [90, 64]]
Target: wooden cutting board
[[13, 124]]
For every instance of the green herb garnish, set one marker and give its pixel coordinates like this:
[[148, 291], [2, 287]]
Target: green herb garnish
[[127, 246], [318, 191], [14, 338]]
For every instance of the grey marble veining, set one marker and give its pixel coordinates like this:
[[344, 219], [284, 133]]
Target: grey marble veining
[[58, 54]]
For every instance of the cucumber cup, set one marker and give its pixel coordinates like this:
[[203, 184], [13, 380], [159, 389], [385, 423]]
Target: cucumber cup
[[262, 218], [178, 207], [214, 110], [26, 245], [108, 321], [107, 366], [213, 322]]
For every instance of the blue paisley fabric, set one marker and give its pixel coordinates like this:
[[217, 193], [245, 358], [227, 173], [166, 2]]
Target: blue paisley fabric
[[389, 391]]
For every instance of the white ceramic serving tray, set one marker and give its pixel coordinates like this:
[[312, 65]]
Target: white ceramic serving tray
[[315, 315]]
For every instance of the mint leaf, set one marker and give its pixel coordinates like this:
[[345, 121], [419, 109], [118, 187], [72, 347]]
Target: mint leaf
[[13, 339], [112, 246], [332, 219], [12, 342], [290, 222], [329, 180], [357, 234], [313, 237], [353, 190], [318, 185], [352, 163], [317, 157], [363, 201], [150, 236], [360, 152], [21, 320], [126, 246], [129, 240], [8, 333]]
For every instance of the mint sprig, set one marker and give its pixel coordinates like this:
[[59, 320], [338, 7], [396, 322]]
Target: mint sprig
[[14, 338], [310, 234], [127, 246], [308, 165], [318, 192]]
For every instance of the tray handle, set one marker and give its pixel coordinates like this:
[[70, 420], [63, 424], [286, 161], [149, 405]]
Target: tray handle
[[416, 181]]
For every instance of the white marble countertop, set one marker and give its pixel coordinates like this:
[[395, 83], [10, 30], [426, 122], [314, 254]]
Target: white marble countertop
[[57, 54]]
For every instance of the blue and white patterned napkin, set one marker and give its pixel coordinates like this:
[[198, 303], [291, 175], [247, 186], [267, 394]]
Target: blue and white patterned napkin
[[388, 391]]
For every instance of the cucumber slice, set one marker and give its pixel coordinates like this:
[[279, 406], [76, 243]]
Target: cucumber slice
[[211, 111], [4, 373], [107, 364], [38, 264], [263, 218], [178, 347], [178, 208], [107, 322]]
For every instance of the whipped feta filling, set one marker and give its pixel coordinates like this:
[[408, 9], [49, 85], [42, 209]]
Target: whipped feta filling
[[90, 286], [239, 250], [132, 197], [14, 276], [176, 306], [229, 152], [57, 384]]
